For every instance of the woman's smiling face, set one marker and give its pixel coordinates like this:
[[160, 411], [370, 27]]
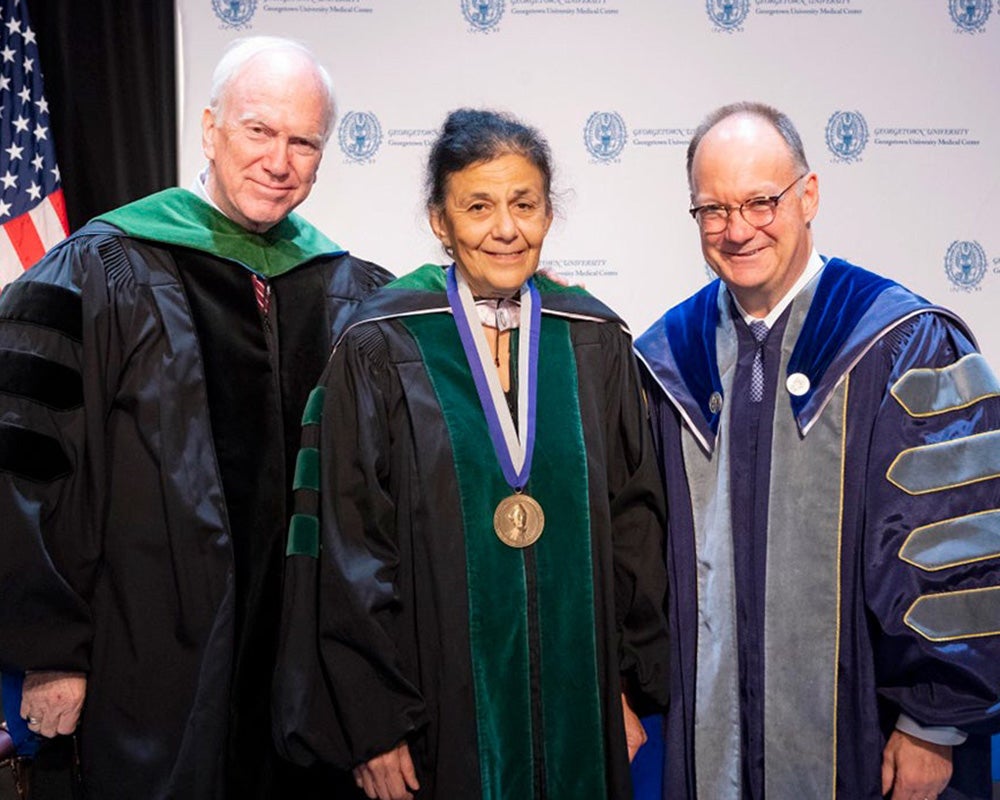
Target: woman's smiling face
[[493, 220]]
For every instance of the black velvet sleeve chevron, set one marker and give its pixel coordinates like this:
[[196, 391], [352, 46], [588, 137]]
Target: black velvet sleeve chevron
[[46, 542], [30, 314]]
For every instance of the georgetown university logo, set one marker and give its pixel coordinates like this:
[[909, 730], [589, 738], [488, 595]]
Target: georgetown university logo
[[965, 263], [360, 135], [235, 13], [846, 135], [728, 14], [970, 15], [604, 135], [482, 14]]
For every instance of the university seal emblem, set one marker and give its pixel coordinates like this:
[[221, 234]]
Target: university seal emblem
[[970, 15], [482, 15], [965, 263], [359, 135], [234, 13], [727, 15], [846, 135], [604, 134]]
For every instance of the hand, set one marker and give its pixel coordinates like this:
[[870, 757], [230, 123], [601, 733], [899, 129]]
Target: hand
[[390, 776], [51, 701], [635, 734], [914, 769], [554, 276]]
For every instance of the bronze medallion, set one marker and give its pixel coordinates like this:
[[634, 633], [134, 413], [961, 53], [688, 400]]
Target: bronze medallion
[[518, 520]]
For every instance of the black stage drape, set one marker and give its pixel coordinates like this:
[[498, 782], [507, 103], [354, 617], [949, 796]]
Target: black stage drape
[[110, 81]]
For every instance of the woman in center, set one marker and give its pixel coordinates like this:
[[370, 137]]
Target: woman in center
[[491, 581]]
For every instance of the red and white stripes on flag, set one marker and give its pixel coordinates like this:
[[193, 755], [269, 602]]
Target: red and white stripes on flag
[[32, 210]]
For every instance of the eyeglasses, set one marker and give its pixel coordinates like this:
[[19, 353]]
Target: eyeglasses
[[757, 211]]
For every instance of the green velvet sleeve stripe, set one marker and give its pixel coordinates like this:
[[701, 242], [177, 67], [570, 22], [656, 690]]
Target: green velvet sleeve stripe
[[307, 469], [303, 536], [313, 413]]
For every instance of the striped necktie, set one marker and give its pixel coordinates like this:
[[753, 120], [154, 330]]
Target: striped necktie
[[262, 291]]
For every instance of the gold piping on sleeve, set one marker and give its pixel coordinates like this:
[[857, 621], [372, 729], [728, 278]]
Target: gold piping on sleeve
[[929, 597], [937, 445], [940, 523], [954, 367]]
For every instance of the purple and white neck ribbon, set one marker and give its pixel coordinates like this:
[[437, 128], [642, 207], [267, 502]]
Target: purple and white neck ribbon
[[513, 446]]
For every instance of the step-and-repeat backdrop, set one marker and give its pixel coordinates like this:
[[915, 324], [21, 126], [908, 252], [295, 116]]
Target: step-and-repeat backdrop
[[898, 102]]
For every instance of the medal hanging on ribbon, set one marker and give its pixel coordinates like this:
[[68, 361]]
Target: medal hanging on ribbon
[[518, 519]]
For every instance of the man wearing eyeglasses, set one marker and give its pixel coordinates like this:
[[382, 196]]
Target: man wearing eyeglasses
[[829, 443]]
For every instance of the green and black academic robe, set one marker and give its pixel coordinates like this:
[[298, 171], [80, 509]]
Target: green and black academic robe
[[149, 420], [502, 668]]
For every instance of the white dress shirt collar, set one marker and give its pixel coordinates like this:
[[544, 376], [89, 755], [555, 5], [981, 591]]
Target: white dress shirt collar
[[198, 187], [813, 267]]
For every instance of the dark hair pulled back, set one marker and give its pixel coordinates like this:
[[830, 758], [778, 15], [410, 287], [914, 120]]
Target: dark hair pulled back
[[474, 136]]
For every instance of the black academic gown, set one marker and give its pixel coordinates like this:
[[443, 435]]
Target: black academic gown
[[149, 415], [398, 566]]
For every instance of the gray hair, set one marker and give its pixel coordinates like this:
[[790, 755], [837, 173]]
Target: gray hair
[[241, 51], [748, 108]]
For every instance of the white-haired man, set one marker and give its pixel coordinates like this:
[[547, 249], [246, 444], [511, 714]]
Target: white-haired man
[[156, 368]]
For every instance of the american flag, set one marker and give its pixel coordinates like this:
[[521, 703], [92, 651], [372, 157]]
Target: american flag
[[32, 209]]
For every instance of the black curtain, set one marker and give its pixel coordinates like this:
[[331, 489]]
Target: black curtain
[[110, 83]]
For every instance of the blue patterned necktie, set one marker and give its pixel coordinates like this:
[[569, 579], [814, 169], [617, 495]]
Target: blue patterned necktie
[[759, 330]]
